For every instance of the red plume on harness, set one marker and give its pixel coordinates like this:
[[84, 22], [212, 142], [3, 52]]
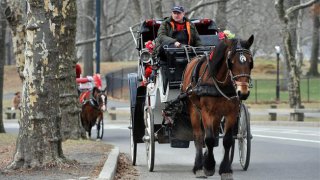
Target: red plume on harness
[[221, 35], [150, 46], [211, 55], [148, 71]]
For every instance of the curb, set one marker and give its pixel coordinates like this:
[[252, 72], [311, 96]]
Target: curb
[[110, 166]]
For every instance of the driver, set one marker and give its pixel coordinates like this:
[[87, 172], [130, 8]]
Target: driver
[[176, 31]]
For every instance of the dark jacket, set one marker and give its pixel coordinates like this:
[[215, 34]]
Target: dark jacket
[[166, 30]]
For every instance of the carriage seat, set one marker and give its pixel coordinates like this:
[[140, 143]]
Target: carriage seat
[[175, 61], [173, 64]]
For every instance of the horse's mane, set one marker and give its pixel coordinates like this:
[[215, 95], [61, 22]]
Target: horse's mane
[[217, 58], [219, 54]]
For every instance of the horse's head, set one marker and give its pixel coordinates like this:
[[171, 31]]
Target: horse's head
[[240, 63], [101, 98]]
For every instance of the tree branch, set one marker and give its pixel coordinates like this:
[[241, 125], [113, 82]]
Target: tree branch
[[79, 43], [201, 5], [278, 4], [300, 6]]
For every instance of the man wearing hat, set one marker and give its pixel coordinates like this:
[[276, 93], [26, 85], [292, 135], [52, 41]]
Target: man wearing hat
[[176, 31]]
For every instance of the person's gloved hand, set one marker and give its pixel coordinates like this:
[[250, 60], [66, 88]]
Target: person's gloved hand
[[177, 44]]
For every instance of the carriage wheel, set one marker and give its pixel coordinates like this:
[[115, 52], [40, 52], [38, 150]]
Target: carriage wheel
[[244, 137], [132, 79], [133, 144], [149, 138]]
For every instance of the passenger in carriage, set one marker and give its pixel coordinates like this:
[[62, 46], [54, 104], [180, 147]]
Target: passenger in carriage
[[176, 31]]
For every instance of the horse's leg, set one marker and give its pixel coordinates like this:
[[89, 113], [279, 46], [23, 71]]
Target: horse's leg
[[225, 167], [89, 134], [209, 162], [98, 126], [198, 139]]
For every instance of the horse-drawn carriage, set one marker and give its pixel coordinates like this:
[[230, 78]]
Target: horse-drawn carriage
[[164, 92]]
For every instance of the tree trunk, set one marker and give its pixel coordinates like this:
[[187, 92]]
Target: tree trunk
[[70, 107], [221, 15], [87, 32], [157, 9], [289, 18], [39, 141], [3, 26], [313, 71], [15, 14], [290, 43]]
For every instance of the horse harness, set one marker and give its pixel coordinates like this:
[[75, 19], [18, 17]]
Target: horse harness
[[93, 103], [214, 90]]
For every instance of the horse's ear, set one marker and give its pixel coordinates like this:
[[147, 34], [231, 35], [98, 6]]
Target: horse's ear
[[249, 42], [94, 91], [105, 90]]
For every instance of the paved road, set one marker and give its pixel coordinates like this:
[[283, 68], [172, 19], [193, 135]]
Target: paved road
[[278, 153]]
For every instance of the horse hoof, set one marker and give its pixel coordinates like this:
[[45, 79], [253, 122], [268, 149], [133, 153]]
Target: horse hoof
[[226, 176], [98, 140], [208, 172], [200, 174]]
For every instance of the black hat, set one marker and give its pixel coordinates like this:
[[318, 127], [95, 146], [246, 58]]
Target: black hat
[[177, 9]]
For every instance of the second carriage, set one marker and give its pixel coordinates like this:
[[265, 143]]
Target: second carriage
[[154, 95]]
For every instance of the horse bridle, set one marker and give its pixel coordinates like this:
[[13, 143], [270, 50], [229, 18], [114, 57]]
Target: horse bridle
[[242, 59], [96, 99]]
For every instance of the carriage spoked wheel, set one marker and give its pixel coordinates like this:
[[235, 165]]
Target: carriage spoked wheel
[[149, 137], [133, 143], [244, 137]]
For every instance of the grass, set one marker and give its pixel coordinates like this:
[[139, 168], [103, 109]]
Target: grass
[[264, 90]]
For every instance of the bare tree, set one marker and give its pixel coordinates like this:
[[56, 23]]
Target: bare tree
[[16, 16], [289, 19], [156, 9], [70, 108], [39, 141], [221, 15], [313, 70], [3, 25], [86, 31]]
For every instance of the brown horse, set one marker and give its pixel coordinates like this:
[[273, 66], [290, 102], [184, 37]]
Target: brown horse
[[215, 86], [92, 111]]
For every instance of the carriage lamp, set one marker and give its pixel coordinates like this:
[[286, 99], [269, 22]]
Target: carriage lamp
[[278, 83], [145, 56]]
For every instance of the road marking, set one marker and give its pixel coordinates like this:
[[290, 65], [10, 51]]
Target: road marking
[[284, 138], [315, 132], [302, 133]]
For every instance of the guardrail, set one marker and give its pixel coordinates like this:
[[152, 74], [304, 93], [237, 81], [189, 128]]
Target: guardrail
[[299, 112]]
